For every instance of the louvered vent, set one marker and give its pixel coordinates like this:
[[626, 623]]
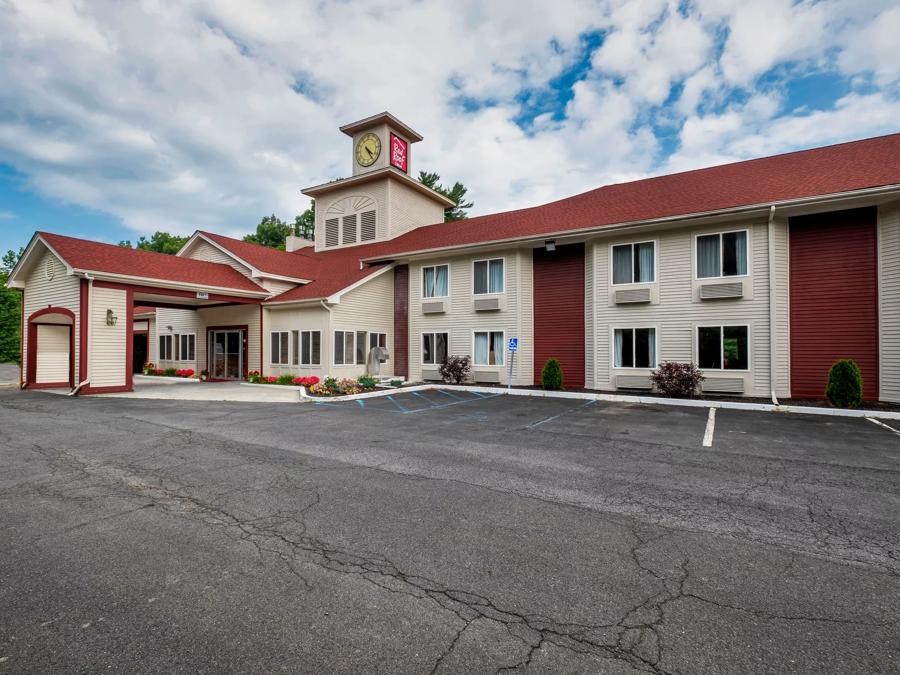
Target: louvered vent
[[723, 385], [367, 226], [632, 295], [348, 227], [331, 232], [632, 382], [717, 291], [486, 304]]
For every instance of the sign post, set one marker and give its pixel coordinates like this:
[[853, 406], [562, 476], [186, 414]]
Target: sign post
[[512, 346]]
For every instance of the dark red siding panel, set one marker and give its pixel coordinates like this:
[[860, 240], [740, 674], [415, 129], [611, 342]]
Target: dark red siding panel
[[559, 311], [834, 298], [401, 321]]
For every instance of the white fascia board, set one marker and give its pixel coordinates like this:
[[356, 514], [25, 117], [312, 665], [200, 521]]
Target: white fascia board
[[255, 273], [13, 281], [174, 285]]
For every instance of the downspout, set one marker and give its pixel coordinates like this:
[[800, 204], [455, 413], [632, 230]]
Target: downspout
[[329, 338], [772, 300], [86, 380]]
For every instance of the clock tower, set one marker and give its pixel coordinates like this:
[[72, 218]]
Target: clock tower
[[381, 199]]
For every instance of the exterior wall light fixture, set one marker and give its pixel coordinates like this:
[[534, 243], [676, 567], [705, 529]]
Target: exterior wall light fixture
[[550, 245], [111, 318]]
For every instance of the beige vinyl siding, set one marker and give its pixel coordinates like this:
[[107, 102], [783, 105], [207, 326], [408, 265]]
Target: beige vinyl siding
[[61, 291], [107, 350], [275, 286], [183, 322], [370, 308], [676, 310], [203, 250], [52, 353], [376, 190], [234, 315], [152, 341], [460, 319], [889, 301], [296, 319], [410, 209]]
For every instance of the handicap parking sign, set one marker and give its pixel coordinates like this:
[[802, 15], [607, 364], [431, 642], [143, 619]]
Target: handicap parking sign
[[513, 344]]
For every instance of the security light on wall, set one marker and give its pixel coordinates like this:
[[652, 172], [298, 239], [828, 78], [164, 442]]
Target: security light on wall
[[550, 245], [111, 318], [169, 328]]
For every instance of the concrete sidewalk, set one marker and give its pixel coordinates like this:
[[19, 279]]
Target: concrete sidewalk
[[9, 375], [192, 390]]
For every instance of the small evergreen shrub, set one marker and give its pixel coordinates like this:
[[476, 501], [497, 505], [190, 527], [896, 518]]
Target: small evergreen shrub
[[366, 382], [285, 379], [845, 384], [678, 380], [552, 375], [170, 372], [455, 369]]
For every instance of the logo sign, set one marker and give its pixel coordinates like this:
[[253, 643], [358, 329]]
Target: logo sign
[[513, 345], [202, 295], [399, 154]]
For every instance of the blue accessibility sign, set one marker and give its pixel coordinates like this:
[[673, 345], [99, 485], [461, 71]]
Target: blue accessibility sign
[[513, 344]]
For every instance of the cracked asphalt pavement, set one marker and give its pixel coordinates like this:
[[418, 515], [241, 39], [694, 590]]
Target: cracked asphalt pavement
[[443, 533]]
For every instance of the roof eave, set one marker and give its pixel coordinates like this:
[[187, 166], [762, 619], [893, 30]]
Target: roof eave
[[382, 117], [363, 178]]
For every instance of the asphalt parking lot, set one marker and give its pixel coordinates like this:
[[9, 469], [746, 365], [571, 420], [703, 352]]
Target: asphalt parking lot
[[443, 533]]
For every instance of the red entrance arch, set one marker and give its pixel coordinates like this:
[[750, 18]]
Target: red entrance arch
[[31, 368]]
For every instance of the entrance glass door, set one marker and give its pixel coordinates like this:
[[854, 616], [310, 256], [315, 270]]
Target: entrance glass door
[[226, 358]]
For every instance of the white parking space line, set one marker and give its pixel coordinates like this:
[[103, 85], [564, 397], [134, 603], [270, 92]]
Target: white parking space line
[[710, 429], [882, 424]]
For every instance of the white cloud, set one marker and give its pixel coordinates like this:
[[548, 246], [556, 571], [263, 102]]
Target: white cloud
[[212, 114]]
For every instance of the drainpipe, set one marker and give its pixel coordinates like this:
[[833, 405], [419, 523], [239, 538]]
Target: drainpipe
[[772, 300], [329, 337], [86, 380]]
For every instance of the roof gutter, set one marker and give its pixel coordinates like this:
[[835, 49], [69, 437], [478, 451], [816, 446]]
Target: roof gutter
[[668, 220], [85, 380], [770, 240]]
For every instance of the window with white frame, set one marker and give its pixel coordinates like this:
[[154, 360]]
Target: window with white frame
[[165, 347], [344, 348], [436, 281], [722, 255], [434, 348], [634, 263], [187, 347], [489, 348], [488, 276], [307, 348], [377, 340], [280, 347], [634, 348], [723, 348], [361, 353]]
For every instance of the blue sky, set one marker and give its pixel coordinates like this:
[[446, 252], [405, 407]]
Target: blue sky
[[117, 120]]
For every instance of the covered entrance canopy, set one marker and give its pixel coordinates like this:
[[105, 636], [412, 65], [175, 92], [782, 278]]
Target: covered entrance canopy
[[78, 308]]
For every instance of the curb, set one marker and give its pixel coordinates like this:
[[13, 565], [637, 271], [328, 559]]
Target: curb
[[165, 379]]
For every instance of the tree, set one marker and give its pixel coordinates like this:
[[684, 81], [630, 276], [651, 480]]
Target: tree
[[305, 223], [271, 232], [160, 242], [457, 194], [10, 312]]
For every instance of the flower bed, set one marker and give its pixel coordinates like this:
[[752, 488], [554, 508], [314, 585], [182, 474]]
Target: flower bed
[[343, 387], [254, 377], [151, 369]]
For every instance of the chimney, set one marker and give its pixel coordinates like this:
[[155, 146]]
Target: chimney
[[294, 243]]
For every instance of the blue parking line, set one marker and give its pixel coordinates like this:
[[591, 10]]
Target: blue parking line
[[361, 403], [391, 399], [424, 398], [451, 394], [447, 405]]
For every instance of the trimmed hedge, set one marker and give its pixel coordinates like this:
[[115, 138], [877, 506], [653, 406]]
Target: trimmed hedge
[[552, 375], [845, 384]]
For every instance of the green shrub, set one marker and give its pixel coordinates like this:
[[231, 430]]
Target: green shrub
[[552, 375], [396, 383], [366, 381], [845, 384], [285, 379], [170, 372]]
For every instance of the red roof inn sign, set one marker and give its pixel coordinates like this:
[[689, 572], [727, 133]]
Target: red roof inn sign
[[399, 155]]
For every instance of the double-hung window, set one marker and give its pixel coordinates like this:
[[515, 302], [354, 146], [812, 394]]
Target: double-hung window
[[634, 348], [280, 347], [488, 276], [723, 348], [722, 255], [489, 348], [187, 347], [434, 348], [306, 349], [361, 353], [344, 345], [435, 281], [165, 347], [634, 263], [377, 340]]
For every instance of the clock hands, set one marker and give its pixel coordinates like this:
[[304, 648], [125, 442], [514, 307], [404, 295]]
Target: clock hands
[[369, 150]]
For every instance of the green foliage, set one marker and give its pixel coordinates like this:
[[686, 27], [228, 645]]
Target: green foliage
[[305, 223], [457, 194], [10, 312], [160, 242], [845, 384], [170, 372], [366, 382], [271, 232], [285, 379], [552, 375]]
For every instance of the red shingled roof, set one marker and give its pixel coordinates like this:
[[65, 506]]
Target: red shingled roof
[[97, 257], [845, 167], [263, 258], [331, 271]]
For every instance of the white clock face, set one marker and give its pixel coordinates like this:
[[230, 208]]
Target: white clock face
[[368, 149]]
